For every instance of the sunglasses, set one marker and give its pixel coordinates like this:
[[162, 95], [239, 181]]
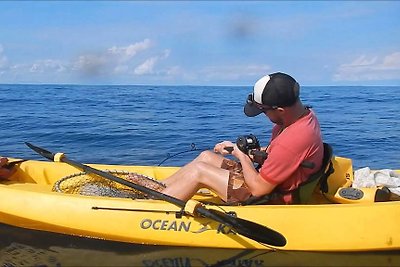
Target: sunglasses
[[250, 100]]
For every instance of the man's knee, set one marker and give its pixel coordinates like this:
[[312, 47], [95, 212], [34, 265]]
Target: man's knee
[[211, 158], [206, 156]]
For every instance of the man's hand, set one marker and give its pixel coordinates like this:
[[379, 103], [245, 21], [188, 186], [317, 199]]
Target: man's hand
[[220, 147], [3, 161], [4, 172]]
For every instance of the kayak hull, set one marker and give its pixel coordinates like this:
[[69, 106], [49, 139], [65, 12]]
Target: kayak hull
[[27, 201]]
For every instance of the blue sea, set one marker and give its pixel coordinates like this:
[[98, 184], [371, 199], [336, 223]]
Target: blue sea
[[148, 125]]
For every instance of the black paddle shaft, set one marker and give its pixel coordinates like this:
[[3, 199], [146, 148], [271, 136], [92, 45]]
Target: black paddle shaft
[[244, 227]]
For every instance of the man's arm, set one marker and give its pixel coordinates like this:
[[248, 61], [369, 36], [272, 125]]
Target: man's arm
[[257, 185]]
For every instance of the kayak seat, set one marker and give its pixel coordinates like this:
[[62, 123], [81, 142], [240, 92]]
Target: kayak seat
[[305, 190], [303, 193]]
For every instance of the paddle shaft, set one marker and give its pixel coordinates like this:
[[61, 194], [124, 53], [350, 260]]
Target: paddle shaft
[[114, 178], [11, 164], [243, 227], [180, 203]]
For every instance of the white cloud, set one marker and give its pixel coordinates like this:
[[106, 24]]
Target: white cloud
[[114, 63], [234, 73], [118, 60], [48, 65], [127, 52], [365, 68], [3, 58], [166, 53], [147, 67], [392, 61], [174, 71], [362, 61]]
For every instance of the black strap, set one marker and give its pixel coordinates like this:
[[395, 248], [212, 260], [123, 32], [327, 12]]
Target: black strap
[[324, 179], [253, 200]]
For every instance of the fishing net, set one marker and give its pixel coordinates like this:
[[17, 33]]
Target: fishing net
[[89, 184]]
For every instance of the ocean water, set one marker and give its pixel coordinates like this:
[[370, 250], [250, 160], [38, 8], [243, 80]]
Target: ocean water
[[144, 125]]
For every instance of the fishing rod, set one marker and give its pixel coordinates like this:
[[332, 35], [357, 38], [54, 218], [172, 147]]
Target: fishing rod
[[248, 144], [192, 149]]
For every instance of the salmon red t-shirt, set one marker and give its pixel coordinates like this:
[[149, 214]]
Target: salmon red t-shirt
[[300, 141]]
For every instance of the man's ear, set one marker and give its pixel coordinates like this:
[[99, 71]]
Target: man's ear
[[280, 109]]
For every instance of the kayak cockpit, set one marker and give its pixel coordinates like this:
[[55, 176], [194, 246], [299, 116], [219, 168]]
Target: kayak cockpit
[[43, 176]]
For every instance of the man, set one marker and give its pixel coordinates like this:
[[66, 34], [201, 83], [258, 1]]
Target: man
[[296, 139]]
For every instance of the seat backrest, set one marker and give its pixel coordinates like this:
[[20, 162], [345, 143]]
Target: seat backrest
[[303, 193], [305, 190]]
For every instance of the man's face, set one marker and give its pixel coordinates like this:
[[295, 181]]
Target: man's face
[[274, 116]]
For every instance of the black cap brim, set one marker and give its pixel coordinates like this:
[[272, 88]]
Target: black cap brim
[[251, 110]]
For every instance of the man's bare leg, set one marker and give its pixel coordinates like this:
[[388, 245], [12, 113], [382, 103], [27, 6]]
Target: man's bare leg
[[196, 175], [207, 157]]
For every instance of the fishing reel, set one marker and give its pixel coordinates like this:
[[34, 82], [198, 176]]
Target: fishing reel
[[246, 143], [250, 146]]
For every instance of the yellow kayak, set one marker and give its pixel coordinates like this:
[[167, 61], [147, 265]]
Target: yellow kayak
[[28, 199]]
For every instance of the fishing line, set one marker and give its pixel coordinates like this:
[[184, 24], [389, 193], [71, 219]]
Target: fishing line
[[192, 149]]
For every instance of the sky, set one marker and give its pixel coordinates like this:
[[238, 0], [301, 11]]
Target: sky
[[199, 42]]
